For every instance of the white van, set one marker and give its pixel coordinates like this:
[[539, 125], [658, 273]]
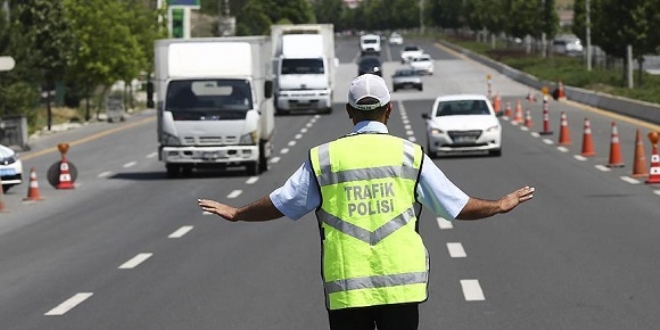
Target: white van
[[370, 44]]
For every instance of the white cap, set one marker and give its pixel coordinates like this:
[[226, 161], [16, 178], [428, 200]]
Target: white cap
[[368, 86]]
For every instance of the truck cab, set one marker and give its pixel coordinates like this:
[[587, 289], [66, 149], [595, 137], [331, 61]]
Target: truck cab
[[370, 45]]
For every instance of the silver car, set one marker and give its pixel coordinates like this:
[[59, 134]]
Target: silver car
[[406, 78]]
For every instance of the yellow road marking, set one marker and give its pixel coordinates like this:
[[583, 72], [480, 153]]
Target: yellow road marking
[[30, 155], [585, 107]]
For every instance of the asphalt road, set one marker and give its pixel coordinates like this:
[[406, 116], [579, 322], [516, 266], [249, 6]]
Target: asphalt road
[[130, 249]]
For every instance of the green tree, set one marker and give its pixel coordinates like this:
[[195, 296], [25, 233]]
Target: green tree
[[447, 13], [329, 11], [579, 26], [252, 19]]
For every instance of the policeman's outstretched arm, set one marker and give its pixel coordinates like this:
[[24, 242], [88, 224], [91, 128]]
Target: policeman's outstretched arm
[[481, 208], [260, 210]]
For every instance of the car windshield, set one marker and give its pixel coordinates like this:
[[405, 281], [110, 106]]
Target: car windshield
[[422, 59], [411, 49], [208, 94], [369, 41], [302, 66], [462, 107], [404, 73], [370, 62]]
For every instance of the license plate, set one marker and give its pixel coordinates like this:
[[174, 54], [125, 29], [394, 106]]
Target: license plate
[[303, 101], [210, 154], [465, 139], [7, 171]]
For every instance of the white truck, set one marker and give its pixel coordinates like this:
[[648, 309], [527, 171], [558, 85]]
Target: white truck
[[213, 103], [304, 65]]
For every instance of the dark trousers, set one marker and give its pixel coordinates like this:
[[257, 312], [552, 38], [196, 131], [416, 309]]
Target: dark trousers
[[384, 317]]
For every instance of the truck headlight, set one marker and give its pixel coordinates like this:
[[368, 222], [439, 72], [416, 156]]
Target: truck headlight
[[171, 140], [249, 138]]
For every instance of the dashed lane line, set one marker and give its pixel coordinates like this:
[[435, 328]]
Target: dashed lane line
[[284, 151], [235, 194], [152, 155], [580, 158], [472, 290], [180, 232], [104, 174], [292, 143], [602, 168], [129, 164], [298, 136], [69, 304], [548, 141], [456, 250], [444, 224], [562, 149], [252, 180], [275, 160], [630, 180], [136, 261]]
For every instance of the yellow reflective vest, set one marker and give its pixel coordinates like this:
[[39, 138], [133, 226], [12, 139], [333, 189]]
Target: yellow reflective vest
[[372, 252]]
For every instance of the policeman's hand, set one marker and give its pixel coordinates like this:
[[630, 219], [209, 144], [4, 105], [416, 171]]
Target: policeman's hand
[[211, 206], [510, 201]]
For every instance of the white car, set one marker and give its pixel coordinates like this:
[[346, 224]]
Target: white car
[[396, 39], [422, 64], [463, 123], [11, 168], [410, 52], [370, 45]]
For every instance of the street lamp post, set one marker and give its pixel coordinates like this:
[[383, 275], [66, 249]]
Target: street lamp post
[[421, 16], [588, 33]]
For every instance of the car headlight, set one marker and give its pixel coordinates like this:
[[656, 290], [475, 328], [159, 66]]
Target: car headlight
[[493, 129], [9, 160], [436, 131], [249, 138], [376, 69], [171, 140]]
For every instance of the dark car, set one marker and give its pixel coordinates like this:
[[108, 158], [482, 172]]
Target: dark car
[[370, 64], [406, 78]]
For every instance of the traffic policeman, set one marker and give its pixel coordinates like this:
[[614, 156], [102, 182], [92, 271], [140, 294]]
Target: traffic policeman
[[367, 189]]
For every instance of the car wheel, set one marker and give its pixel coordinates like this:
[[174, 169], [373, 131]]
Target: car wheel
[[186, 172], [430, 153], [5, 188], [394, 89], [173, 171], [420, 88], [496, 152]]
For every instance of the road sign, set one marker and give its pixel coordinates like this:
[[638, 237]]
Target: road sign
[[193, 4], [7, 63]]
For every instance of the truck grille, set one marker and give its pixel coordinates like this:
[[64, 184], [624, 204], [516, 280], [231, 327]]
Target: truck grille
[[210, 140]]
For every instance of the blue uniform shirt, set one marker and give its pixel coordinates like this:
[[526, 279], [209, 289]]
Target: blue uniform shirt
[[300, 194]]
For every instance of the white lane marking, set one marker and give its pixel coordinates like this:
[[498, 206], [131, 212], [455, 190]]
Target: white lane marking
[[562, 149], [547, 141], [284, 150], [152, 155], [580, 158], [303, 130], [412, 139], [292, 143], [524, 128], [444, 223], [235, 193], [602, 168], [252, 180], [410, 132], [657, 192], [180, 232], [505, 118], [206, 213], [309, 125], [317, 116], [472, 290], [629, 180], [456, 250], [408, 127], [130, 164], [105, 174], [70, 303], [535, 134], [137, 260], [406, 121], [275, 160], [299, 136]]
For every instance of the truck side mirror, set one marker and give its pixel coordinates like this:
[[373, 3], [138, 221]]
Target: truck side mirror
[[268, 89], [150, 95], [425, 116]]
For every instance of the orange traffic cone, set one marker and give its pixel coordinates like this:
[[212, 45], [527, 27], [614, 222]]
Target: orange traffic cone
[[561, 95], [65, 177], [546, 118], [518, 119], [497, 103], [615, 148], [33, 190], [530, 97], [507, 110], [587, 140], [654, 173], [639, 164], [528, 119], [564, 135]]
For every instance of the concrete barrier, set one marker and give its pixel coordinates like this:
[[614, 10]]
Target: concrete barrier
[[629, 107]]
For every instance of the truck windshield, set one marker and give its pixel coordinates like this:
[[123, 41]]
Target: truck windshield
[[209, 94], [302, 66]]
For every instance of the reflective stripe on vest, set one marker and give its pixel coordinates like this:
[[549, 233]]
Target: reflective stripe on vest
[[382, 225]]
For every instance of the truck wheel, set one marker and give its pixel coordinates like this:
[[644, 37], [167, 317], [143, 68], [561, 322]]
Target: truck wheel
[[186, 172], [253, 168], [173, 171]]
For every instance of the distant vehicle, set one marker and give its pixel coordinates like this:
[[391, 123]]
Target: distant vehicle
[[396, 39], [571, 46], [463, 123], [11, 168], [370, 45], [410, 52], [406, 78], [423, 64], [370, 64]]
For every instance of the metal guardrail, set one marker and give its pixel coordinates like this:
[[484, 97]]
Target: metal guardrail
[[629, 107], [14, 132]]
